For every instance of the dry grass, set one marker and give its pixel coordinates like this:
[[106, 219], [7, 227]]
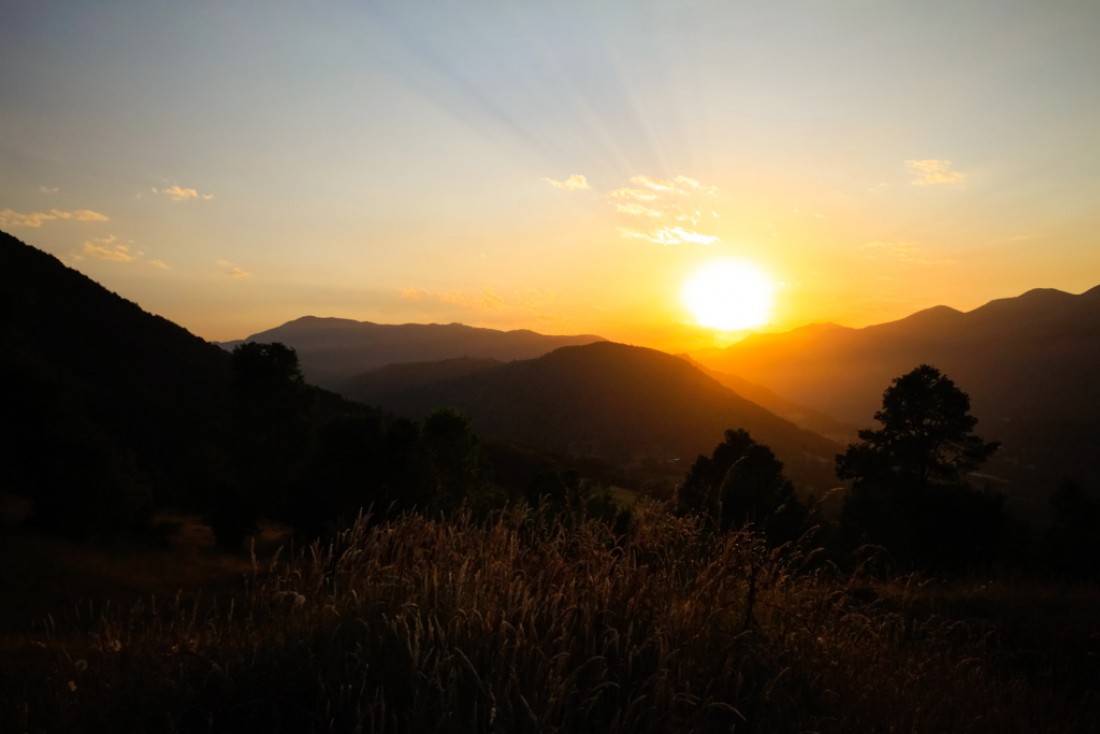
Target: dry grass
[[520, 624]]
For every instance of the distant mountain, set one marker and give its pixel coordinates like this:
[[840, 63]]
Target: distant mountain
[[801, 415], [1031, 365], [333, 350], [627, 405]]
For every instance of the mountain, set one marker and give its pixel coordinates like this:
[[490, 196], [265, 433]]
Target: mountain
[[1029, 364], [333, 350], [800, 415], [628, 405]]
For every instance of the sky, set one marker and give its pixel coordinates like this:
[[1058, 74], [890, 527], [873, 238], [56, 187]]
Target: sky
[[561, 166]]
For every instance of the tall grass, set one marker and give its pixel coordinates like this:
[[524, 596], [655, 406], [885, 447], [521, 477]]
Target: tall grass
[[520, 623]]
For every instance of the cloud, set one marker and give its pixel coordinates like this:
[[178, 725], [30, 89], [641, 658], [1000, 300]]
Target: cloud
[[414, 294], [934, 172], [576, 182], [12, 218], [670, 236], [678, 207], [48, 189], [112, 249], [233, 270], [109, 248], [179, 193]]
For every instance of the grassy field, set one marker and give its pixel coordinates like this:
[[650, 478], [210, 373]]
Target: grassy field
[[522, 624]]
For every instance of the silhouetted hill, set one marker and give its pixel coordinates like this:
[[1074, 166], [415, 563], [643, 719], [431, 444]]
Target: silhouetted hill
[[1029, 363], [110, 412], [628, 405], [800, 415], [99, 394], [334, 350], [372, 387]]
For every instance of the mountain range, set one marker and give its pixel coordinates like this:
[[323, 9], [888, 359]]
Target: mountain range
[[97, 391], [1031, 365], [628, 405], [332, 350]]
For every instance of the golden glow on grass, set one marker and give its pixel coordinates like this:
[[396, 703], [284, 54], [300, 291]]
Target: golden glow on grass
[[729, 295]]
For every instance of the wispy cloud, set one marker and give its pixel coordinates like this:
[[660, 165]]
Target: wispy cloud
[[109, 248], [934, 172], [576, 182], [12, 218], [670, 236], [674, 210], [179, 193], [113, 249], [232, 269], [48, 189]]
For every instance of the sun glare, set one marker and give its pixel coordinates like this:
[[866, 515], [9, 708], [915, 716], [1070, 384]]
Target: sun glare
[[729, 295]]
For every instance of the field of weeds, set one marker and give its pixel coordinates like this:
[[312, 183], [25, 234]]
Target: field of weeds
[[520, 623]]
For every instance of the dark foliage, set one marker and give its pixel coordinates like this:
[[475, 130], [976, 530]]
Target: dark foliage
[[740, 484], [112, 414], [910, 492]]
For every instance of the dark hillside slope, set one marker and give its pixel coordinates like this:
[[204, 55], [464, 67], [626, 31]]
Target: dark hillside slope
[[97, 392], [624, 404], [111, 412], [334, 350]]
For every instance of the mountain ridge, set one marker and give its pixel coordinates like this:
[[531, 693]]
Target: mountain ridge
[[333, 350], [1028, 363], [620, 403]]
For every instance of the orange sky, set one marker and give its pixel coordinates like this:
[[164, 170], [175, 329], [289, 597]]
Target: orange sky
[[562, 167]]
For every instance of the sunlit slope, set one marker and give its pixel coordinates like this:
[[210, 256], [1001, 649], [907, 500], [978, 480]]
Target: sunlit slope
[[332, 350], [625, 404], [1029, 363]]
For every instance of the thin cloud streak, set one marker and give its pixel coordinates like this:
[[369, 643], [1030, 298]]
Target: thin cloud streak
[[12, 218], [934, 172], [576, 182], [179, 193]]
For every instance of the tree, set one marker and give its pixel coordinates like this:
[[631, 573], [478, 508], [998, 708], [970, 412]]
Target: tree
[[740, 483], [910, 488], [271, 431]]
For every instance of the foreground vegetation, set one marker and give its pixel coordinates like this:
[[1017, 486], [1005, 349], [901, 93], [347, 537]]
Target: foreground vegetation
[[524, 622]]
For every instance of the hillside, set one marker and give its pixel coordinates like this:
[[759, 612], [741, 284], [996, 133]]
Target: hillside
[[334, 350], [624, 404], [98, 393], [1029, 364], [111, 412]]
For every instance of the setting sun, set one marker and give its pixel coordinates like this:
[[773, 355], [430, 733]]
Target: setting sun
[[729, 295]]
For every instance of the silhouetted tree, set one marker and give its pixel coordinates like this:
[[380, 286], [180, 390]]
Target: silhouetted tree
[[271, 439], [910, 492], [740, 483], [458, 467]]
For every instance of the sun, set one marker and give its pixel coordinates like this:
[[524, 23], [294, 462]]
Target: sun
[[729, 295]]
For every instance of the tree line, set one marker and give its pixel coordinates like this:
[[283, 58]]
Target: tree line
[[286, 454]]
